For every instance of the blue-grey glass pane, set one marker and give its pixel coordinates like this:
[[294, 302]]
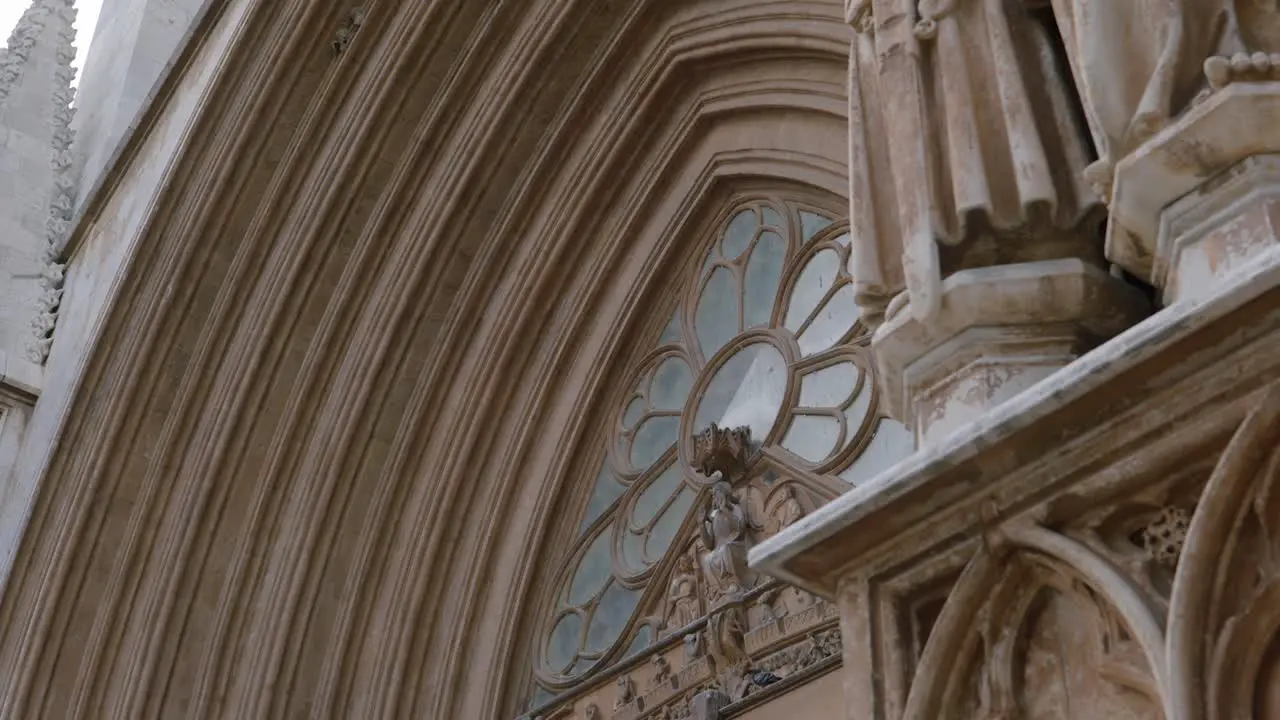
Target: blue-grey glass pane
[[771, 217], [610, 617], [671, 383], [633, 551], [812, 437], [652, 497], [607, 490], [832, 323], [562, 647], [858, 411], [642, 640], [717, 312], [747, 389], [671, 333], [739, 233], [843, 239], [892, 442], [764, 273], [817, 278], [664, 531], [594, 569], [635, 409], [829, 387], [811, 224], [652, 439], [541, 696]]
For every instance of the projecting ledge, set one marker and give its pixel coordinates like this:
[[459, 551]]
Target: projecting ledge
[[945, 489]]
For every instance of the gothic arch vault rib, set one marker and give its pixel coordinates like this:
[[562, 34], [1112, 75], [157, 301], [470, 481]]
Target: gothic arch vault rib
[[314, 463]]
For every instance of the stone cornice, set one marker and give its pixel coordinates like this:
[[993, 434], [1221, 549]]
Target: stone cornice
[[996, 464]]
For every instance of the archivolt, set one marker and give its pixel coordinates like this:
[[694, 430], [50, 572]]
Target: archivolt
[[314, 464]]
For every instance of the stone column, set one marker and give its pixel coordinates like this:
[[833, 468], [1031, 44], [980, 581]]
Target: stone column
[[982, 261]]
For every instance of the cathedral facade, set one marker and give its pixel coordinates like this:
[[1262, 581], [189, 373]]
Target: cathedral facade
[[587, 360]]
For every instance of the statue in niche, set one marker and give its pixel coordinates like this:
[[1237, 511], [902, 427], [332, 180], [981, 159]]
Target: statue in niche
[[726, 635], [592, 712], [682, 598], [661, 671], [723, 529]]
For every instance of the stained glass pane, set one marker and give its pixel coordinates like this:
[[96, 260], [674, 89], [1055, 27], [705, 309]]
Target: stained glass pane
[[607, 490], [562, 648], [812, 437], [652, 498], [610, 617], [671, 383], [843, 239], [747, 390], [655, 435], [818, 277], [633, 550], [764, 273], [771, 217], [717, 312], [828, 387], [811, 224], [594, 568], [833, 322], [664, 531], [892, 442], [739, 233]]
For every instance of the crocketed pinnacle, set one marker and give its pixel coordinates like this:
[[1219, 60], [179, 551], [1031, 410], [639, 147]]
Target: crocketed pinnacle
[[37, 201]]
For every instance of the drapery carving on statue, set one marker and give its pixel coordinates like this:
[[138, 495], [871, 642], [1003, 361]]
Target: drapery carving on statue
[[724, 529], [684, 605], [1060, 633], [1226, 594], [981, 138]]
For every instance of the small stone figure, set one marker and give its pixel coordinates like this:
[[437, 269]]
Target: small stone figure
[[626, 692], [661, 671], [723, 530], [682, 598]]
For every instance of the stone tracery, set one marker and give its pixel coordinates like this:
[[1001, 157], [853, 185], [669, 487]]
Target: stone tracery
[[769, 355]]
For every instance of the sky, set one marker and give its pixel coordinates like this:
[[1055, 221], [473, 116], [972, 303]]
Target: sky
[[86, 20]]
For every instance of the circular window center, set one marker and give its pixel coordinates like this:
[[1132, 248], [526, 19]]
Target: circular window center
[[746, 390]]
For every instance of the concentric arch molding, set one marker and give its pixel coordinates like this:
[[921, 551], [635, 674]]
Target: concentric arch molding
[[338, 357]]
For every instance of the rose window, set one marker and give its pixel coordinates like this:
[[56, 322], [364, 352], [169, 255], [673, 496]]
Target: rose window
[[766, 337]]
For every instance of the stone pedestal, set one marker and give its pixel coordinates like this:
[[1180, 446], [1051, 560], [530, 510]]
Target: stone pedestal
[[1000, 330], [1199, 200]]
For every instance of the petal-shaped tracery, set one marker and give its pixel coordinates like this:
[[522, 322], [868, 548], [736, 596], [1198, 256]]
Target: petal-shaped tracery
[[773, 282]]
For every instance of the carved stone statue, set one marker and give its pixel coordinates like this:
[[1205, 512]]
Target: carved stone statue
[[693, 648], [726, 635], [682, 598], [1138, 63], [724, 533], [971, 114]]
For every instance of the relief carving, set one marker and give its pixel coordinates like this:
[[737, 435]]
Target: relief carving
[[722, 453], [683, 605], [723, 531]]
